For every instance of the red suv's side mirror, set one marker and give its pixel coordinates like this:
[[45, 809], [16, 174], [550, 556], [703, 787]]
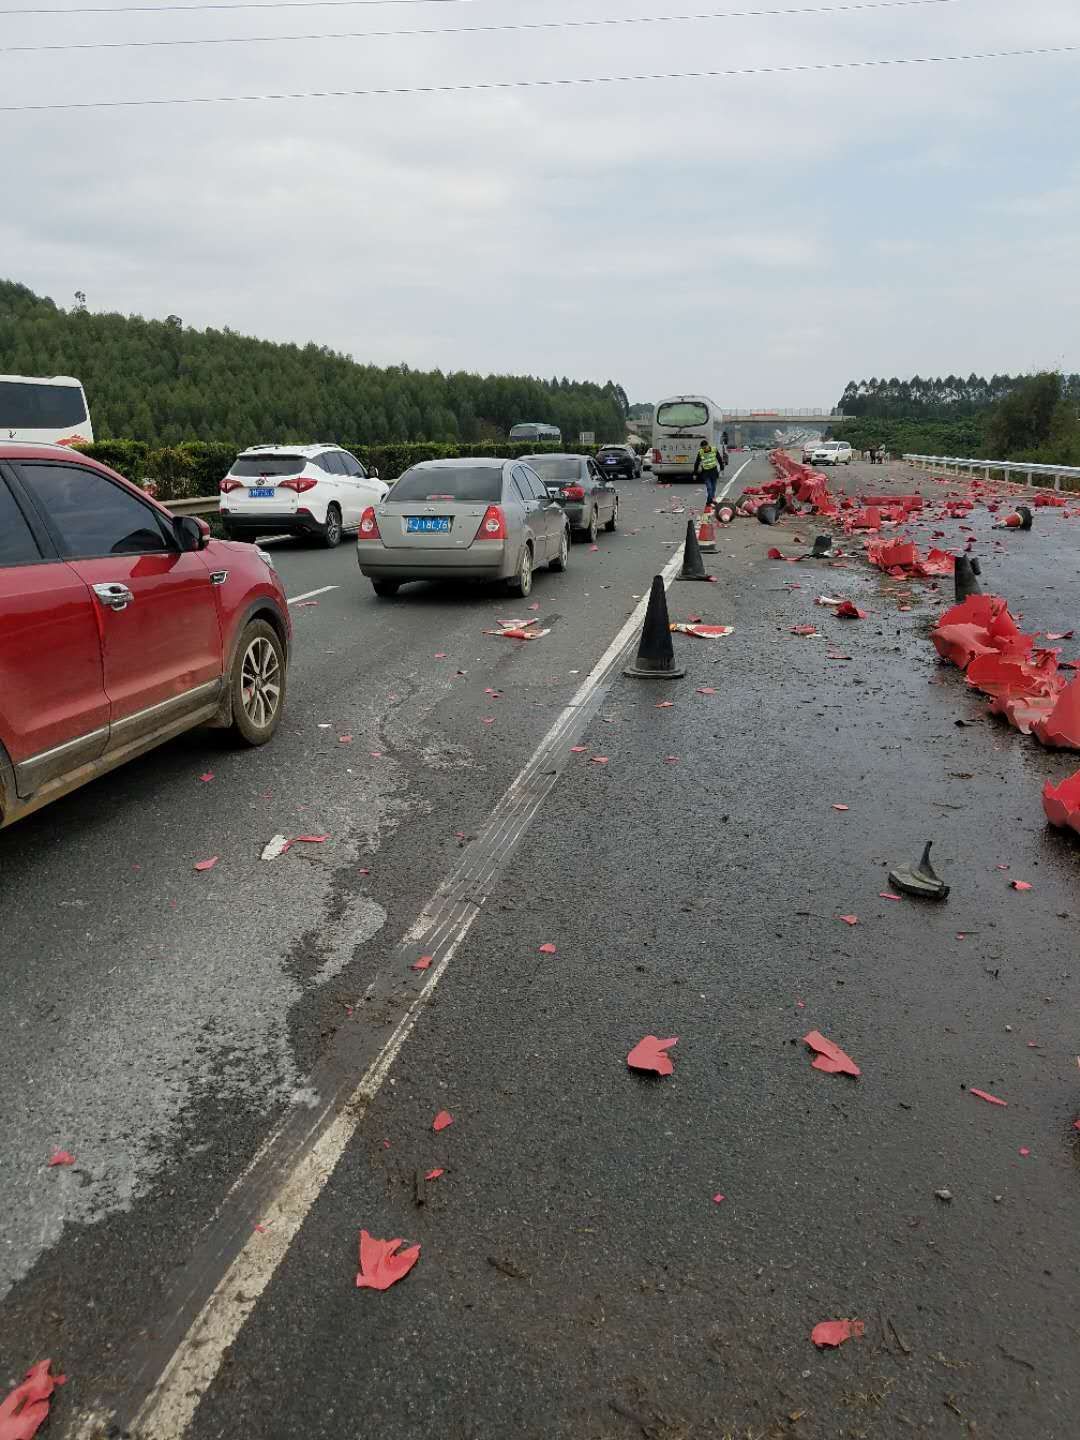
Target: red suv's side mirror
[[191, 532]]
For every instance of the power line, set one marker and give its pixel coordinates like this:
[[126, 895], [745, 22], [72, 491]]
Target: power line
[[483, 29], [543, 84], [226, 5]]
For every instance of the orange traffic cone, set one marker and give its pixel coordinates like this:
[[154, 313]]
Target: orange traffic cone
[[706, 535]]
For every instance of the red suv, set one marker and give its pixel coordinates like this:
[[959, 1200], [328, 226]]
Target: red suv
[[121, 626]]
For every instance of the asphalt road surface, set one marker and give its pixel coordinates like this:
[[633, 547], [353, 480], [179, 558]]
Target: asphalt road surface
[[246, 1066]]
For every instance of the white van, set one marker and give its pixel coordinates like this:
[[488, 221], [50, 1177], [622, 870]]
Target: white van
[[47, 409]]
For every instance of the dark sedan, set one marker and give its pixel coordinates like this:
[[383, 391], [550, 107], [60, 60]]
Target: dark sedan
[[619, 462], [588, 497]]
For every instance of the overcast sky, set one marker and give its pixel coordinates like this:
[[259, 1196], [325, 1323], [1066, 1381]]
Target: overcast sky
[[761, 239]]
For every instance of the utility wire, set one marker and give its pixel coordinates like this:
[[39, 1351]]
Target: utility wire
[[484, 29], [226, 5], [567, 82]]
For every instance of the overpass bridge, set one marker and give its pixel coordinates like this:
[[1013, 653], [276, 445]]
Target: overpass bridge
[[809, 417]]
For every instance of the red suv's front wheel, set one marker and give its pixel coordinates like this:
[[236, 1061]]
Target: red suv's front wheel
[[257, 683]]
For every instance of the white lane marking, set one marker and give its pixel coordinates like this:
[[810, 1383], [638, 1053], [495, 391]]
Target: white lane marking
[[168, 1410], [738, 472], [310, 594]]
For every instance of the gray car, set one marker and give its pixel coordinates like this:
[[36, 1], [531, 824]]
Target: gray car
[[588, 498], [465, 519]]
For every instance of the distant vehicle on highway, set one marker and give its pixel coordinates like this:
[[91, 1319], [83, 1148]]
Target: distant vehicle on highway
[[49, 410], [619, 460], [809, 446], [465, 519], [679, 426], [318, 491], [831, 452], [121, 626], [588, 498], [534, 430]]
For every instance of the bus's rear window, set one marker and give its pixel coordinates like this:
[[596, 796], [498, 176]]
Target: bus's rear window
[[267, 465], [682, 412], [473, 484], [26, 406]]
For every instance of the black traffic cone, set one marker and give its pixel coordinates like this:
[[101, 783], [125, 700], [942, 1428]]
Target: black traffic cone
[[693, 566], [964, 575], [1025, 517], [822, 547], [656, 654], [767, 514]]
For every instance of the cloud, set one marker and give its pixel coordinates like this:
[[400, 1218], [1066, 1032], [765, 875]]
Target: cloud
[[760, 239]]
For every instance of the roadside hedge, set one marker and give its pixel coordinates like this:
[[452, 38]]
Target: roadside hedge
[[182, 472]]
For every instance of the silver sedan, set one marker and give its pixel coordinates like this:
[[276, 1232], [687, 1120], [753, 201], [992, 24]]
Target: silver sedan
[[465, 519]]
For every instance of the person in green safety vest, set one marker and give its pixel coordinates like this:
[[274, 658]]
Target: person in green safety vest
[[707, 460]]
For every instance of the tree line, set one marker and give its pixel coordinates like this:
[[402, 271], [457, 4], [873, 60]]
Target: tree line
[[163, 383], [1008, 417]]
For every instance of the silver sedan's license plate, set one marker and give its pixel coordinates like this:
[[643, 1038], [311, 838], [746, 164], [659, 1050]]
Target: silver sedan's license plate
[[420, 523]]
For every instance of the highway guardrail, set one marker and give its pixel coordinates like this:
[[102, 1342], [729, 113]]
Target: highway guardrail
[[200, 505], [1060, 477]]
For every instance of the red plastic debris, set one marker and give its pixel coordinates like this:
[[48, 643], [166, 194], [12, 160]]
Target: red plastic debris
[[804, 630], [424, 963], [990, 1099], [706, 690], [1059, 635], [578, 749], [847, 611], [1020, 885], [434, 1174], [547, 948], [774, 554], [835, 1332], [206, 864], [649, 1054], [1024, 1151], [442, 1120], [309, 839], [1061, 727], [718, 1199], [1061, 803], [829, 1057], [27, 1406], [62, 1157], [887, 895], [664, 704], [381, 1264], [207, 777], [599, 760], [849, 919], [841, 807]]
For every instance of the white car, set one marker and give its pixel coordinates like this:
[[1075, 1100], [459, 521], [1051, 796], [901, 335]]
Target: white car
[[314, 490], [831, 452]]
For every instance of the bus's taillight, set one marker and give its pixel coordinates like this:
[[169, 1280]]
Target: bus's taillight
[[655, 456]]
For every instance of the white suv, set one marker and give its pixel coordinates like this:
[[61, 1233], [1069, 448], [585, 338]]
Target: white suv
[[832, 452], [316, 490]]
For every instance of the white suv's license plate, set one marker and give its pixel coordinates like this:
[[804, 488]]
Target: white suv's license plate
[[261, 493]]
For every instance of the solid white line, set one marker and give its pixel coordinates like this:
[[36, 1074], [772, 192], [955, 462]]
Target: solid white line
[[310, 594], [168, 1410], [738, 472]]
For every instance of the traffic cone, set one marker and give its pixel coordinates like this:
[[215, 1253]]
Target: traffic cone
[[693, 566], [706, 535], [822, 547], [725, 512], [965, 572], [656, 654]]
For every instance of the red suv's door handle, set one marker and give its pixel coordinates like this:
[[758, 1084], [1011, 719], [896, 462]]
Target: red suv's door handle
[[114, 596]]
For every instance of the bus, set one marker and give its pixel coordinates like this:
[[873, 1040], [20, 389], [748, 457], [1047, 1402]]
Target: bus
[[680, 423], [534, 431], [50, 409]]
